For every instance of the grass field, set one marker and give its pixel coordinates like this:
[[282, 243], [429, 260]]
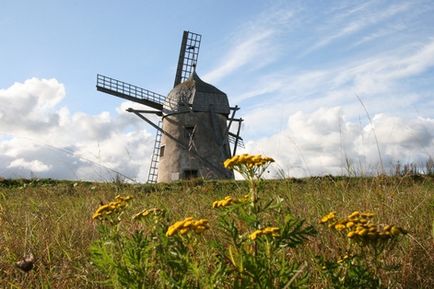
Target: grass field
[[52, 220]]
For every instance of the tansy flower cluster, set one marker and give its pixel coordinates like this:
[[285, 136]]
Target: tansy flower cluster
[[186, 225], [113, 206], [228, 200], [328, 217], [360, 226], [146, 212], [273, 231], [247, 160]]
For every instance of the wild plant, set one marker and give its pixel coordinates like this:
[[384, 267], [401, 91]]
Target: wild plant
[[246, 251], [257, 252], [363, 242], [154, 255]]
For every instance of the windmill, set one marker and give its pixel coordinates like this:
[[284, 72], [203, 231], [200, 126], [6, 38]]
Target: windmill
[[197, 129]]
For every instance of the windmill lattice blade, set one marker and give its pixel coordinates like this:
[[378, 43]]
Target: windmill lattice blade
[[188, 56], [232, 139], [130, 92]]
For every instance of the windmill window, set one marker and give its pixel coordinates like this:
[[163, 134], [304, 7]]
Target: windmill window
[[190, 174], [162, 150]]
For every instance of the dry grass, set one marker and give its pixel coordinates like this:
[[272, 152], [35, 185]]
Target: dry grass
[[52, 220]]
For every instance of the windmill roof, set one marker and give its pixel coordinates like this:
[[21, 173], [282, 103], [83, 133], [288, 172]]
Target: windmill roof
[[202, 86], [198, 95]]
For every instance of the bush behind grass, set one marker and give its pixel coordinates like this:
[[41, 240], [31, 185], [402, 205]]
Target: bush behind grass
[[52, 220]]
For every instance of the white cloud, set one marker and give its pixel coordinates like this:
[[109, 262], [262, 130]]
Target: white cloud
[[30, 105], [33, 166], [41, 139], [323, 141]]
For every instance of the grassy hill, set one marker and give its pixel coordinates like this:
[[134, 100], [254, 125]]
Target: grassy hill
[[52, 220]]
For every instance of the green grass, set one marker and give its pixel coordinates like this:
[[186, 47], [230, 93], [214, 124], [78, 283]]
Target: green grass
[[52, 219]]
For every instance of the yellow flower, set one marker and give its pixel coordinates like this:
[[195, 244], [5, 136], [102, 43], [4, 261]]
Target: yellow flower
[[170, 231], [273, 231], [328, 217], [362, 227], [354, 215], [247, 160], [395, 231], [147, 212], [350, 225], [363, 221], [324, 220], [201, 222], [228, 200], [255, 234], [186, 225], [96, 215], [223, 203], [340, 227], [362, 232], [256, 159], [183, 231], [123, 199], [228, 163], [113, 206]]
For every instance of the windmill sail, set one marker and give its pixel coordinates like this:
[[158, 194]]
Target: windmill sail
[[130, 92], [188, 55]]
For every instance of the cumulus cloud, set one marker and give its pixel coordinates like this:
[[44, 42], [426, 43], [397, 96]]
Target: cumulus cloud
[[41, 139], [29, 105], [325, 142], [95, 147], [385, 83], [34, 165]]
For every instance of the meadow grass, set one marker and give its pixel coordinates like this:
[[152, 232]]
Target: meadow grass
[[52, 220]]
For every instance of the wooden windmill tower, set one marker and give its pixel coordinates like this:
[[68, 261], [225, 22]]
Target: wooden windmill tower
[[195, 134]]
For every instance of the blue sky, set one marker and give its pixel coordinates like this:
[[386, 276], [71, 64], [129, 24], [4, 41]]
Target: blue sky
[[300, 70]]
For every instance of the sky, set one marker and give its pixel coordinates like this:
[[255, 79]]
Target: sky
[[325, 87]]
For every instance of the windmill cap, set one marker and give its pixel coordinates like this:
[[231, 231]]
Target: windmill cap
[[198, 95]]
